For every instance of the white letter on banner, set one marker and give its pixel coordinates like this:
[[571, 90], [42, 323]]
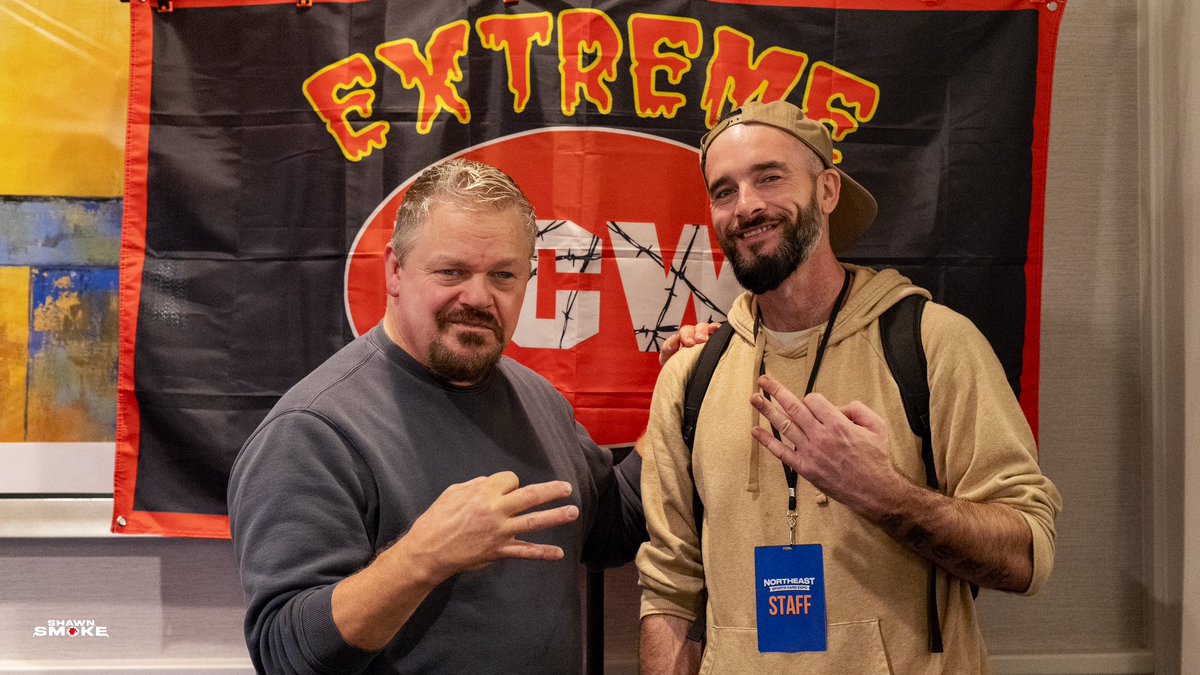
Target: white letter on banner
[[657, 296], [576, 313]]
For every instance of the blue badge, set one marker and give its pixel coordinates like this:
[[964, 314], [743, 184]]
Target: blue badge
[[790, 598]]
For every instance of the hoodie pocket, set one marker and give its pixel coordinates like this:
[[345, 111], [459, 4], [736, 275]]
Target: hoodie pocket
[[855, 648]]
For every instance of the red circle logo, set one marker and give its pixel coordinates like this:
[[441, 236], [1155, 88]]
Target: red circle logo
[[625, 255]]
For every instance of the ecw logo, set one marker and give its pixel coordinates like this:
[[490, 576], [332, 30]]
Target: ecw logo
[[625, 255]]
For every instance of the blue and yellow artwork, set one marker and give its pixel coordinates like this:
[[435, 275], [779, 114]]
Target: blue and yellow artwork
[[72, 355], [58, 319]]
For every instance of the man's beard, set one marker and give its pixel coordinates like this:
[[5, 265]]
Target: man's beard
[[763, 273], [478, 359]]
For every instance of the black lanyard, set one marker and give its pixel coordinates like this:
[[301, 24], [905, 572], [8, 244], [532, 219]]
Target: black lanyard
[[788, 471]]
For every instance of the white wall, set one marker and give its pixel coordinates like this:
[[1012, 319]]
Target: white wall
[[1090, 435], [1170, 175], [165, 603]]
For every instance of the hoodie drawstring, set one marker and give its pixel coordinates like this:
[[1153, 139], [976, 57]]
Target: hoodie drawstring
[[760, 346]]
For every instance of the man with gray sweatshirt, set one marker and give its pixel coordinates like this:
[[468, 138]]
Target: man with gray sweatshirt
[[421, 503]]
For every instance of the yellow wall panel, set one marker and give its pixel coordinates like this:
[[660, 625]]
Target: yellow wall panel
[[63, 80], [14, 351]]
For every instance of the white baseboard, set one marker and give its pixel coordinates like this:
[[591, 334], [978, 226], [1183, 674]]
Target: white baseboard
[[1121, 663], [56, 468], [1115, 663], [56, 518], [172, 666]]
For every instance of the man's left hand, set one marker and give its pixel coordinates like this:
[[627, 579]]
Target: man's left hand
[[841, 451]]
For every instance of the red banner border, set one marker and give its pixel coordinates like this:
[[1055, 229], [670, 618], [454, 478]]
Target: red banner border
[[126, 520]]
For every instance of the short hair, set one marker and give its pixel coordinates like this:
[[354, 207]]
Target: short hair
[[464, 183], [815, 164]]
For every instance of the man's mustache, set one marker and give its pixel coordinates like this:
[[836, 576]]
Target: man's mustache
[[758, 221], [472, 317]]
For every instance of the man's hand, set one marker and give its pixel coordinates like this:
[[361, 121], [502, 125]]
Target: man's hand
[[477, 522], [841, 451], [470, 525], [688, 336]]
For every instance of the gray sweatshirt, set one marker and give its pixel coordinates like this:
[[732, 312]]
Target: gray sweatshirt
[[355, 452]]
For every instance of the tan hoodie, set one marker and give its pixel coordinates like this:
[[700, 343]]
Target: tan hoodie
[[875, 588]]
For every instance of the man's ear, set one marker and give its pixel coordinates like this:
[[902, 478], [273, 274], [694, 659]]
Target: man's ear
[[829, 190], [391, 271]]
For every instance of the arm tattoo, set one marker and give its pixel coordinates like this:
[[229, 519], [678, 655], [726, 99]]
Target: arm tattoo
[[922, 541]]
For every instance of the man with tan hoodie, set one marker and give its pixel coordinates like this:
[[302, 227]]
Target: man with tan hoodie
[[781, 212]]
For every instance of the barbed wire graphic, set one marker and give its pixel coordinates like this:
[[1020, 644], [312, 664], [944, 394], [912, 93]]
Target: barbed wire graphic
[[657, 334], [579, 263]]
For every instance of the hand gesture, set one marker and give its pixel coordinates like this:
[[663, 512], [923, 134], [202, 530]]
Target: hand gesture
[[841, 451], [477, 522], [470, 525]]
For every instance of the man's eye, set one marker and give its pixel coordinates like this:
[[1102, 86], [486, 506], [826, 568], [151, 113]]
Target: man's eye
[[722, 194], [504, 275], [449, 273], [771, 178]]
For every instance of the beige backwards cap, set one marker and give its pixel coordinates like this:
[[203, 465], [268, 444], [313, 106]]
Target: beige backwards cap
[[856, 207]]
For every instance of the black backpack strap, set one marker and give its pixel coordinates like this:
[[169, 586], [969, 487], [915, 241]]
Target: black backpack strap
[[693, 399], [697, 384], [900, 331]]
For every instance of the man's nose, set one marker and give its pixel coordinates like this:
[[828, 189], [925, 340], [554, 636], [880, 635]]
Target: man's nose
[[476, 292], [749, 203]]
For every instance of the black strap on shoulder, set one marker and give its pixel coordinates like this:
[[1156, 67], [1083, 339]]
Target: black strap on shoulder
[[693, 399], [697, 385], [900, 331]]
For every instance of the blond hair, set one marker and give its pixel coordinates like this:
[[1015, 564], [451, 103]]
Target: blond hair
[[465, 183]]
